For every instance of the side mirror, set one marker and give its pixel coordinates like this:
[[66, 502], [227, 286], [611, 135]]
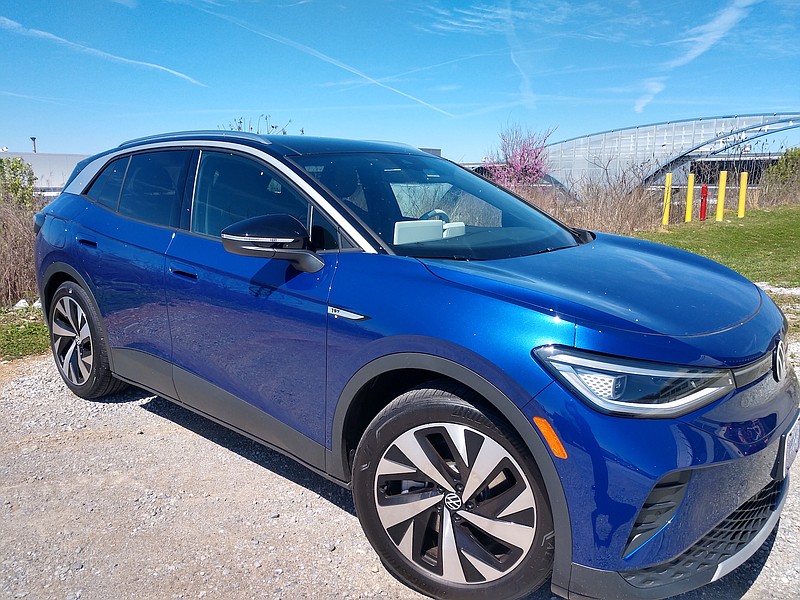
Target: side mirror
[[272, 236]]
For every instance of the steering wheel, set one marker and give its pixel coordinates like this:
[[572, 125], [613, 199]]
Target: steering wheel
[[436, 213]]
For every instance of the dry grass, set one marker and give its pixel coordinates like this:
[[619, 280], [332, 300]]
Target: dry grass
[[779, 193], [619, 204], [17, 273], [612, 203]]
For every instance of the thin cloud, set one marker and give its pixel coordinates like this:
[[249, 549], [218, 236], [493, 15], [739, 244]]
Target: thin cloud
[[452, 87], [35, 98], [488, 20], [653, 87], [475, 19], [17, 28], [325, 58], [704, 37], [482, 18], [350, 84], [698, 40]]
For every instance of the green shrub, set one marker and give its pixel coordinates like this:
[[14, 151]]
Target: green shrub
[[17, 182]]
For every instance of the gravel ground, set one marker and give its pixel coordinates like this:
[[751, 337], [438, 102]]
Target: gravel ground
[[138, 498]]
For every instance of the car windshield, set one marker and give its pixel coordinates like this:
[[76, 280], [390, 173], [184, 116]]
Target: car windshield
[[427, 207]]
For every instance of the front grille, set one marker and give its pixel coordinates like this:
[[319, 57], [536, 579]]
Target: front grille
[[719, 544]]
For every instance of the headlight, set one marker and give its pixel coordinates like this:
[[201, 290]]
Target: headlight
[[633, 387]]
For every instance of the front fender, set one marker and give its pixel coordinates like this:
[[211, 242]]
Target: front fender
[[507, 404]]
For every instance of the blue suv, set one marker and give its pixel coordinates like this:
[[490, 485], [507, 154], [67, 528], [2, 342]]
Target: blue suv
[[509, 399]]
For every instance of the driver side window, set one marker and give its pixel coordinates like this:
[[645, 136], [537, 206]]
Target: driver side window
[[231, 188]]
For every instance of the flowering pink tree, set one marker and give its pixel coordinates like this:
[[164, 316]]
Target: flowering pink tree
[[521, 159]]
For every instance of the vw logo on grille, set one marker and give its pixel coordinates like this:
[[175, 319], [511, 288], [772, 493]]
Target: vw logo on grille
[[779, 362], [452, 502]]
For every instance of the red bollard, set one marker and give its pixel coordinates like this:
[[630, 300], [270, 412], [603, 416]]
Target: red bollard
[[703, 201]]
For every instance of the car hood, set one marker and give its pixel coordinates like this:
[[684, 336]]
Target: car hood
[[618, 282]]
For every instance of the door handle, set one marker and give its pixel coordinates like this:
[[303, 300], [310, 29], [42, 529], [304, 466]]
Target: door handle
[[180, 272], [87, 241]]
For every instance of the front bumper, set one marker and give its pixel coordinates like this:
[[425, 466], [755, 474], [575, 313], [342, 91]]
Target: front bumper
[[719, 552]]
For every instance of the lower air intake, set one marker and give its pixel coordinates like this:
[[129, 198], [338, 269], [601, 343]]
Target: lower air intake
[[719, 544]]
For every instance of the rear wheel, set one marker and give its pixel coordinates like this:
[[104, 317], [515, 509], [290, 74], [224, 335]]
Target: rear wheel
[[78, 347], [450, 498]]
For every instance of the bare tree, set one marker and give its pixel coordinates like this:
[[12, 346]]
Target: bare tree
[[263, 124]]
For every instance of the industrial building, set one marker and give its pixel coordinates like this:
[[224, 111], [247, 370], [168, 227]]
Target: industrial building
[[51, 170], [703, 146]]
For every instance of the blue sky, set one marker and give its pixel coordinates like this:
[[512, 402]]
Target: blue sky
[[83, 76]]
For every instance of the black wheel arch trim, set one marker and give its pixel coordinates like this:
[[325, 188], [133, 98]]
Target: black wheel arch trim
[[337, 461], [60, 268]]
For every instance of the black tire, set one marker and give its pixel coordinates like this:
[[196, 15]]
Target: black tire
[[78, 345], [450, 498]]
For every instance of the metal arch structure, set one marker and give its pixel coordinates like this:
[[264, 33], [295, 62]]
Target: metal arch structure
[[661, 147]]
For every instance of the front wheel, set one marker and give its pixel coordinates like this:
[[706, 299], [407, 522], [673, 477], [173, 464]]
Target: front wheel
[[450, 498]]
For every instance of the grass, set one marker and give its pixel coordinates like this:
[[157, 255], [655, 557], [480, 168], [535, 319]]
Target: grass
[[763, 246], [22, 333]]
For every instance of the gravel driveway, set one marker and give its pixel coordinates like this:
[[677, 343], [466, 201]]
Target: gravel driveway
[[138, 498]]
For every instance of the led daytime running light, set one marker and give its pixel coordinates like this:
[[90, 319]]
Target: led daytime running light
[[635, 388]]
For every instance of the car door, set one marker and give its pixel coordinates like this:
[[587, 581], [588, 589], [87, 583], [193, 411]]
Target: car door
[[248, 334], [121, 241]]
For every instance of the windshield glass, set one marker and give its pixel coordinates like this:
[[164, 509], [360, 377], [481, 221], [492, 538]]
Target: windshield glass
[[427, 207]]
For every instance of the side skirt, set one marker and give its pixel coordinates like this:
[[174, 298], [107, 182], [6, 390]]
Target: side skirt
[[204, 398]]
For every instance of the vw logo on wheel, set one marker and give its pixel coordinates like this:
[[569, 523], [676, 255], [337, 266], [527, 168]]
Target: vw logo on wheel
[[452, 502], [779, 362]]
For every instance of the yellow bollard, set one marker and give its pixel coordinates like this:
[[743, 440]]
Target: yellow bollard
[[689, 197], [667, 198], [742, 193], [723, 180]]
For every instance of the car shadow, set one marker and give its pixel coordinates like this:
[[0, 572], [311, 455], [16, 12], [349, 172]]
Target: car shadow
[[243, 446], [129, 394]]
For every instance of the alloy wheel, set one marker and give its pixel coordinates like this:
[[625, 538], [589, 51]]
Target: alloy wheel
[[455, 503], [72, 340]]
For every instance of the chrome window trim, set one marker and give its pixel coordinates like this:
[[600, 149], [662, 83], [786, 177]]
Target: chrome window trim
[[80, 183]]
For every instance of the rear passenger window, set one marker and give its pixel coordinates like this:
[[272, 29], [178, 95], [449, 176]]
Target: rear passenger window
[[231, 188], [107, 187], [151, 191]]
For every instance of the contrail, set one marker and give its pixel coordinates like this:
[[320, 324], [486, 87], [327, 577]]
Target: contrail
[[324, 57], [18, 28]]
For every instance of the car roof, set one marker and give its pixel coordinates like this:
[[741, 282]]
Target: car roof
[[284, 145], [281, 145]]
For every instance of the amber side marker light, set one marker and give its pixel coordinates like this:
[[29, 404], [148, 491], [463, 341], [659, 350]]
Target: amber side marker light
[[550, 437]]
